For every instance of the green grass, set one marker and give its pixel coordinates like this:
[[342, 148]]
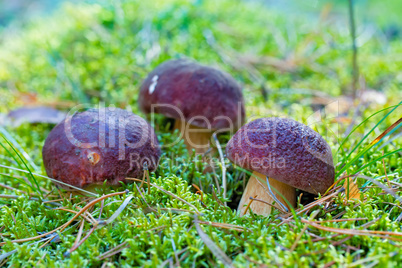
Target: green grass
[[87, 53]]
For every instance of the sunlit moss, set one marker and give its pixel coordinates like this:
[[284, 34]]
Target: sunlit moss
[[86, 53]]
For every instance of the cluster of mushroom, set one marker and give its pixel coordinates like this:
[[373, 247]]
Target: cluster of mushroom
[[105, 146], [93, 147]]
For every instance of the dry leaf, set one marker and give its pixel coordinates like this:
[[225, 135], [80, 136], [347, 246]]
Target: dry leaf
[[351, 189], [39, 114], [394, 125]]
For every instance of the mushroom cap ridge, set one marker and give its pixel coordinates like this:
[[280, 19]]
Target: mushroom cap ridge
[[69, 157], [197, 91], [285, 150]]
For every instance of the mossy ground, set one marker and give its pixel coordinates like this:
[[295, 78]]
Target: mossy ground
[[100, 52]]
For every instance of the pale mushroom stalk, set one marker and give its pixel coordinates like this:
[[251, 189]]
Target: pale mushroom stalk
[[260, 190], [194, 137]]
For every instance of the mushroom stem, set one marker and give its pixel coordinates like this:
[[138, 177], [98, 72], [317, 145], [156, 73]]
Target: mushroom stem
[[255, 190], [194, 137]]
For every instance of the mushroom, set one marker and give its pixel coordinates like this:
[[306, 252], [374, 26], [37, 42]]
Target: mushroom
[[285, 155], [201, 99], [91, 147]]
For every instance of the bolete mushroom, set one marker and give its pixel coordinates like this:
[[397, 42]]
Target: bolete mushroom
[[284, 154], [98, 145], [201, 99]]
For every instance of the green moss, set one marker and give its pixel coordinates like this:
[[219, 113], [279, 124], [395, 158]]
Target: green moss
[[86, 53]]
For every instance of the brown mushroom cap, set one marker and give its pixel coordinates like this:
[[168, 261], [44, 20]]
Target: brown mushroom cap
[[121, 143], [196, 90], [285, 150]]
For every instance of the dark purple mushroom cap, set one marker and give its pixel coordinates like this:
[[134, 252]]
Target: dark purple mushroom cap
[[90, 147], [285, 150], [195, 90]]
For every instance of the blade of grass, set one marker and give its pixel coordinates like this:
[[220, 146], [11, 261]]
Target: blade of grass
[[223, 167], [53, 180], [17, 179], [10, 138], [394, 126], [32, 180], [363, 122], [377, 159]]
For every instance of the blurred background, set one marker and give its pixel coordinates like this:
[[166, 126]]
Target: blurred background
[[385, 13], [284, 53]]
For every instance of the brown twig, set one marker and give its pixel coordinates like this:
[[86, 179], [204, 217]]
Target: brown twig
[[199, 191], [64, 226], [249, 204], [311, 205], [293, 247], [381, 234], [76, 245], [224, 225], [143, 198], [269, 204], [215, 196], [77, 239]]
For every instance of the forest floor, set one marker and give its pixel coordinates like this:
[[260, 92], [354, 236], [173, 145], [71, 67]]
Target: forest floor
[[289, 65]]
